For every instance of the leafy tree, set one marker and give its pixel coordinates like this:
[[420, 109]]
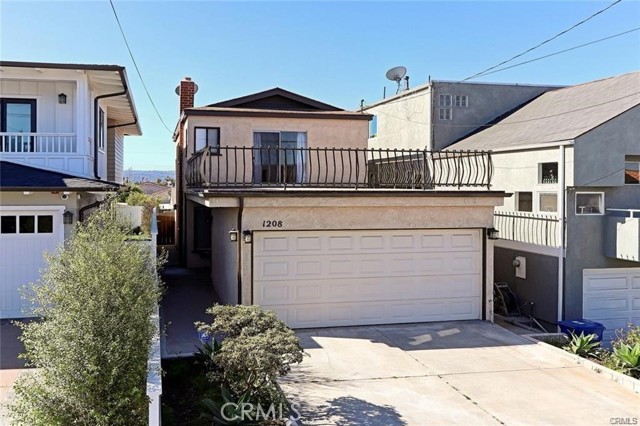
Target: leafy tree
[[91, 343]]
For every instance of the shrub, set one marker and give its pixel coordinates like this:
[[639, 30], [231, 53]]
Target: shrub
[[582, 345], [629, 358], [256, 349], [95, 300]]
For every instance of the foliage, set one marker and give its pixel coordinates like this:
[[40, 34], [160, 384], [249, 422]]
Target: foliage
[[629, 336], [256, 349], [95, 300], [127, 191], [229, 410], [628, 358], [583, 345], [133, 196]]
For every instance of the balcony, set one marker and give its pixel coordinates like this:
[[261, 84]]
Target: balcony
[[348, 168], [531, 228], [622, 234], [25, 143]]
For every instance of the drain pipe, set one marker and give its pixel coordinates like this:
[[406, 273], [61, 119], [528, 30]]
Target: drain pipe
[[560, 231], [95, 122], [240, 243]]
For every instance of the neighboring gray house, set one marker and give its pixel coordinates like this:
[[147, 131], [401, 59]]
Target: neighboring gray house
[[571, 156], [435, 115]]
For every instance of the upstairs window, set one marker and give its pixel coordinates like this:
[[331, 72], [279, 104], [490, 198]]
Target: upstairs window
[[589, 203], [445, 101], [207, 136], [548, 202], [548, 173], [462, 101], [445, 114], [632, 169], [17, 116], [524, 201], [280, 157], [373, 127]]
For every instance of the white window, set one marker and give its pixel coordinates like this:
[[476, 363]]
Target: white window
[[462, 101], [548, 202], [589, 203], [445, 101], [548, 173], [207, 136], [524, 201], [445, 114], [101, 129], [632, 169]]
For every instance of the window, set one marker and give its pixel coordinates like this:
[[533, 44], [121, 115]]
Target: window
[[524, 201], [589, 203], [26, 224], [281, 157], [445, 101], [445, 114], [45, 224], [462, 101], [548, 202], [207, 136], [18, 116], [8, 225], [548, 173], [632, 169], [100, 129], [373, 127]]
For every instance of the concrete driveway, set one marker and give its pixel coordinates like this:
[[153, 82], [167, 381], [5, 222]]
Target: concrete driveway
[[448, 373]]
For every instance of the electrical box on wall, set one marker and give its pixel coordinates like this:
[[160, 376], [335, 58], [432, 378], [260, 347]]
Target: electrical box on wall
[[520, 265]]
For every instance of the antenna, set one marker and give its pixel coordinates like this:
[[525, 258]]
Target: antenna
[[396, 74]]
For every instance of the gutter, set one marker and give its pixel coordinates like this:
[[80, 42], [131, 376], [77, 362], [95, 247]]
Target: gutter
[[239, 254]]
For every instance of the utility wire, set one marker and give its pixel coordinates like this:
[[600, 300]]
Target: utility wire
[[544, 42], [137, 69]]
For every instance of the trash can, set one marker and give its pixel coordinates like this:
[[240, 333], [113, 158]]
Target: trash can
[[579, 326], [205, 337]]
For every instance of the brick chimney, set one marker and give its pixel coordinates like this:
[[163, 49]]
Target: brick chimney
[[186, 90]]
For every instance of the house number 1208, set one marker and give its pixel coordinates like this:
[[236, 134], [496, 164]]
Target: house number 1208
[[272, 224]]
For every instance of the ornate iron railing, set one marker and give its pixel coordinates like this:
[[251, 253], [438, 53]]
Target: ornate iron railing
[[532, 228], [224, 167]]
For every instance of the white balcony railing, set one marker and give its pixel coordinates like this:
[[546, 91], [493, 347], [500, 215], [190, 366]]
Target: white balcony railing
[[25, 143]]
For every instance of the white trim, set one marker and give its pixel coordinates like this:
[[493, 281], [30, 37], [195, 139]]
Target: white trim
[[602, 207], [534, 147], [32, 208], [528, 247]]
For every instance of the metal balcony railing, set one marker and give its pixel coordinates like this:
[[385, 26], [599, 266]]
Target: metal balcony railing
[[225, 167], [24, 143], [532, 228]]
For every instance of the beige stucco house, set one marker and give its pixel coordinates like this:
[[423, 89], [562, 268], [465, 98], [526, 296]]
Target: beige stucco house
[[279, 196]]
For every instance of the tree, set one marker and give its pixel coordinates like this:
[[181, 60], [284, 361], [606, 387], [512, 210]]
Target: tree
[[95, 300]]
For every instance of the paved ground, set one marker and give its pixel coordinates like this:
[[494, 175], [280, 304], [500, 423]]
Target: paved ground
[[188, 294], [466, 373]]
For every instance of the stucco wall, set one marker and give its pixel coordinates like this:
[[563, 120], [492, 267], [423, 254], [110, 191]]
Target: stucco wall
[[600, 152], [194, 259], [224, 255]]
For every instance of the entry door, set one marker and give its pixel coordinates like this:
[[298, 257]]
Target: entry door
[[280, 157], [333, 278]]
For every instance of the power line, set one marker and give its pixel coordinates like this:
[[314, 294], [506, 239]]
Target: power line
[[544, 42], [137, 69]]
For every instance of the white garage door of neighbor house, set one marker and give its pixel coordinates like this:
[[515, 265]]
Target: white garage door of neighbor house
[[25, 234], [611, 297], [334, 278]]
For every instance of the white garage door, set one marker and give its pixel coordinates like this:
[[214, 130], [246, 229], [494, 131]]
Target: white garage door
[[611, 297], [24, 236], [333, 278]]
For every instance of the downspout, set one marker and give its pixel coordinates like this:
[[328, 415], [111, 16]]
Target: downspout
[[95, 122], [240, 242], [87, 207], [560, 231]]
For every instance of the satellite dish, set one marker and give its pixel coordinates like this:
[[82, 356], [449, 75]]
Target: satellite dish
[[396, 74]]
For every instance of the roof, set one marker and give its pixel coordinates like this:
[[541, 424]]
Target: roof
[[18, 177], [103, 79], [255, 112], [274, 100], [557, 116]]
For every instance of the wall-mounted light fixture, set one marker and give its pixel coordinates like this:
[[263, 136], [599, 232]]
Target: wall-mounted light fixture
[[247, 236], [62, 98], [67, 218], [233, 235], [492, 233]]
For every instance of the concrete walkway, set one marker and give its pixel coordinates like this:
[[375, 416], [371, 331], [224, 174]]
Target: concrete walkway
[[450, 373], [189, 292]]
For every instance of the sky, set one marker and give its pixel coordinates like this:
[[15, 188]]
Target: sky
[[335, 52]]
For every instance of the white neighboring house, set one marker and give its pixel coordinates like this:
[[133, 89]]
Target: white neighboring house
[[572, 157], [62, 129]]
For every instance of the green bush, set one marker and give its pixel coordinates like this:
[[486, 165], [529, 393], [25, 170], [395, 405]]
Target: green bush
[[256, 349], [582, 345], [95, 301]]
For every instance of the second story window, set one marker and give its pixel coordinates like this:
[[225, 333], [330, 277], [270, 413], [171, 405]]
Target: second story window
[[524, 201], [462, 101], [548, 173], [281, 157], [373, 127], [100, 129], [445, 101], [548, 202], [17, 116], [445, 114], [207, 136], [632, 169]]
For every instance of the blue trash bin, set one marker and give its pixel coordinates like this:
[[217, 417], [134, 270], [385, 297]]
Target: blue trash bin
[[204, 337], [582, 325]]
